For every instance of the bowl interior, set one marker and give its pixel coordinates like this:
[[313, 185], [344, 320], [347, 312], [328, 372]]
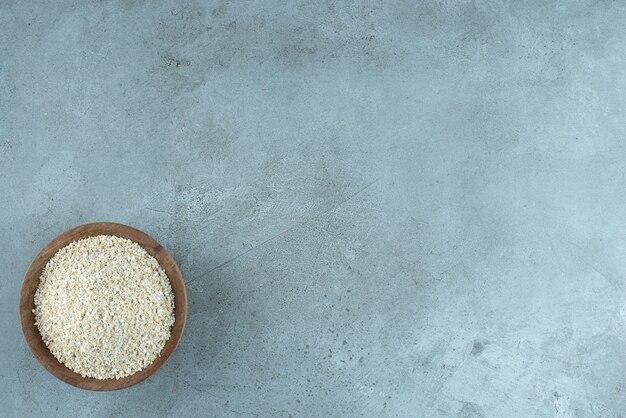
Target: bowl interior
[[31, 282]]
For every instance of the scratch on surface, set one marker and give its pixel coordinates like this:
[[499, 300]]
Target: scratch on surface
[[160, 211], [584, 260], [333, 51], [555, 255], [448, 270], [480, 218], [243, 413], [186, 383], [19, 378], [322, 213]]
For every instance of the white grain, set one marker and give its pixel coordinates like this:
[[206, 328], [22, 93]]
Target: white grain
[[104, 307]]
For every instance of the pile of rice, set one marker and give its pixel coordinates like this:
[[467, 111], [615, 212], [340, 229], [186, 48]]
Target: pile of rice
[[104, 307]]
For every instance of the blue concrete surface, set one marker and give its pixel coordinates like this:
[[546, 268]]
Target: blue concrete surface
[[398, 209]]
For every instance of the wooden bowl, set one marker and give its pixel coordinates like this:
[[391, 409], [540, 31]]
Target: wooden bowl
[[31, 282]]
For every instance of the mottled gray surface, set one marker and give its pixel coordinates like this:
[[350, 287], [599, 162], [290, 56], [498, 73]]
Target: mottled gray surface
[[411, 210]]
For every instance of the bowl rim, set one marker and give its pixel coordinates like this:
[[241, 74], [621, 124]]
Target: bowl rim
[[31, 281]]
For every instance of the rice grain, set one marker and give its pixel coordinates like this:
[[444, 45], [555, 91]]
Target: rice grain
[[104, 307]]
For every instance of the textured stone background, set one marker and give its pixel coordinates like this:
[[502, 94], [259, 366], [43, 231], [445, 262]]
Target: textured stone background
[[409, 210]]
